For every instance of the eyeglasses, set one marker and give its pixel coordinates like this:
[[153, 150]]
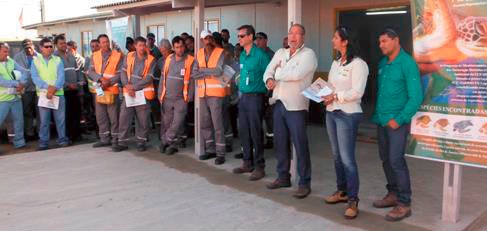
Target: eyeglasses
[[48, 47], [241, 35]]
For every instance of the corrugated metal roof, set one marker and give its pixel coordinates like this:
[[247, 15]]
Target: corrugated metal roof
[[116, 3], [66, 20]]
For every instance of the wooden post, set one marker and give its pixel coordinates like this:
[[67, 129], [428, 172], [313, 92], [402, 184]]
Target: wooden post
[[452, 187], [199, 12]]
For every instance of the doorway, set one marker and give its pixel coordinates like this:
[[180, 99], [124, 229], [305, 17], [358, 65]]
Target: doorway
[[366, 28]]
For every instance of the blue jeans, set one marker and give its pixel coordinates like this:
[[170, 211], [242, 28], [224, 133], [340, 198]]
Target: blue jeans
[[15, 108], [342, 130], [59, 119], [392, 145], [291, 126]]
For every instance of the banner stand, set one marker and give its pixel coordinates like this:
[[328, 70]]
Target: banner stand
[[452, 187]]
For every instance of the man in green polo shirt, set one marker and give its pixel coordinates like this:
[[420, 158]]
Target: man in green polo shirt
[[399, 97], [253, 63]]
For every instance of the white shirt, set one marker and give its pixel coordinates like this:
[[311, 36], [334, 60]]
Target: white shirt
[[292, 75], [349, 82]]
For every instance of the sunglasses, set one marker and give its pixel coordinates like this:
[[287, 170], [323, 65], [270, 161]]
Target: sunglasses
[[343, 30], [241, 35], [48, 47]]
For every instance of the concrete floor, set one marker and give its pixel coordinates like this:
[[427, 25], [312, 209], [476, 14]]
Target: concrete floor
[[80, 188]]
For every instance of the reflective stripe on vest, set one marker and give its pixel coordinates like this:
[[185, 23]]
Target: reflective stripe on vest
[[110, 68], [48, 71], [188, 63], [149, 92], [210, 85], [6, 73]]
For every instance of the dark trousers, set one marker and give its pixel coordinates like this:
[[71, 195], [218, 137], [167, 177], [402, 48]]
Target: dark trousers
[[73, 114], [29, 103], [392, 145], [250, 116], [291, 126]]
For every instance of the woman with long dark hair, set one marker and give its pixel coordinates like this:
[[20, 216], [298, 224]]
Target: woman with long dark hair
[[348, 76]]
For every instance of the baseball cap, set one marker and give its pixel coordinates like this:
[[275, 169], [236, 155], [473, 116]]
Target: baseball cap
[[27, 43], [261, 35], [205, 33]]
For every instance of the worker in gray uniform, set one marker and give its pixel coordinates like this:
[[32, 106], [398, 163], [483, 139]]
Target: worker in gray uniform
[[72, 83], [176, 89], [211, 91], [137, 76], [29, 98], [104, 71]]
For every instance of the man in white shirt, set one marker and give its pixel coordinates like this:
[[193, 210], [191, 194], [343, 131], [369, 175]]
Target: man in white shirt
[[290, 71]]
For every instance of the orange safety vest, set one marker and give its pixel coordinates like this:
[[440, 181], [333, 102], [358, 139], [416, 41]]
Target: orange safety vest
[[210, 85], [110, 69], [187, 74], [149, 88]]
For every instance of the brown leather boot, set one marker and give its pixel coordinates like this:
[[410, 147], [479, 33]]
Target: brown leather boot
[[399, 212], [337, 197], [279, 183], [243, 169], [352, 210], [303, 191], [257, 174], [388, 201]]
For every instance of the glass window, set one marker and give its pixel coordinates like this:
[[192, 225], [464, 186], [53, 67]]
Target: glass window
[[158, 30], [86, 37], [212, 25]]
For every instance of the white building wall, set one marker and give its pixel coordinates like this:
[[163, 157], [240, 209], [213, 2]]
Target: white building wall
[[319, 19]]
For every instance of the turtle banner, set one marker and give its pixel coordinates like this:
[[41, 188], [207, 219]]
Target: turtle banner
[[450, 47]]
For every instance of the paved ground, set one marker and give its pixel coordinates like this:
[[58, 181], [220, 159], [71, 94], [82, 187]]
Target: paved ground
[[80, 188]]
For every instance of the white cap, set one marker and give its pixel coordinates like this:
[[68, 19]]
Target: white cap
[[205, 33]]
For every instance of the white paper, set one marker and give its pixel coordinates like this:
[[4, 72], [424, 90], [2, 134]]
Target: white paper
[[138, 100], [318, 89], [228, 74], [52, 103]]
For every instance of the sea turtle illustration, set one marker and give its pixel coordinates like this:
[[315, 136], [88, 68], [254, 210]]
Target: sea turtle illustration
[[483, 129], [462, 126], [441, 124], [423, 121], [440, 26]]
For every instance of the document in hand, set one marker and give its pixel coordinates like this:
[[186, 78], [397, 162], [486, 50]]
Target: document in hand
[[228, 74], [52, 103], [318, 89], [138, 100]]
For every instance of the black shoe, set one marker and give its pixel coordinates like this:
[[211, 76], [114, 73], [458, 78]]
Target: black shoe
[[220, 160], [63, 145], [172, 150], [42, 148], [163, 148], [239, 156], [101, 144], [207, 156], [118, 148], [141, 147], [278, 183], [182, 144]]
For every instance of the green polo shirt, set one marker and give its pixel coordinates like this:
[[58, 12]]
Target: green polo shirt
[[399, 90], [252, 68]]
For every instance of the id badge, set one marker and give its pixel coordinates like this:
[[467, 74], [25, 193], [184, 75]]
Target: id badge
[[183, 71], [241, 66]]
